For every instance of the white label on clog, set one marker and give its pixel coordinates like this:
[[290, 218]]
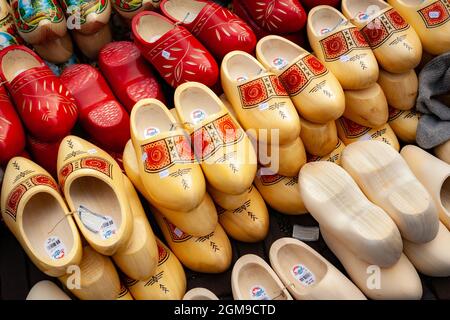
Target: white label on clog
[[55, 248], [434, 14], [325, 31], [108, 228], [150, 132], [305, 233], [258, 293], [264, 106], [165, 54], [99, 224], [344, 58], [164, 174], [241, 78], [178, 232], [92, 151], [198, 115], [279, 63], [303, 275]]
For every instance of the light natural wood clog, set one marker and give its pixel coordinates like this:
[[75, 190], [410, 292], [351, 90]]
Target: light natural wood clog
[[200, 294], [404, 124], [35, 212], [443, 152], [225, 153], [335, 155], [319, 139], [90, 45], [367, 107], [206, 254], [366, 229], [129, 8], [97, 277], [259, 99], [385, 178], [281, 193], [315, 91], [46, 290], [434, 174], [398, 282], [350, 132], [124, 293], [400, 89], [168, 282], [92, 183], [286, 159], [430, 19], [167, 166], [394, 42], [249, 222], [253, 279], [227, 201], [342, 48], [309, 276], [139, 257]]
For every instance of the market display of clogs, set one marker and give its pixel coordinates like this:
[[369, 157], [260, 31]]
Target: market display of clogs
[[142, 142]]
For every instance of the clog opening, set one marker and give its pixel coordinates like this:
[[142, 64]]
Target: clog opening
[[325, 20], [184, 10], [242, 67], [46, 227], [152, 120], [197, 104], [445, 195], [279, 53], [16, 61], [363, 10], [151, 27]]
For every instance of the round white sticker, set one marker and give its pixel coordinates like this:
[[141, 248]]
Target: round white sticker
[[303, 275], [55, 248]]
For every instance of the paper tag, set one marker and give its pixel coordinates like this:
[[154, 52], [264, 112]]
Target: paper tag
[[99, 224], [264, 106], [150, 132], [164, 174], [434, 14], [325, 31], [362, 16], [258, 293], [242, 78], [92, 151], [279, 63], [344, 58], [198, 115], [165, 54], [303, 275], [55, 248], [305, 233], [108, 228]]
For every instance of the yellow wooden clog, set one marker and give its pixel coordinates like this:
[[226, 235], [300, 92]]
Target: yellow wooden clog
[[366, 229], [394, 42], [430, 19], [309, 276], [335, 155], [207, 254], [259, 99], [227, 201], [286, 159], [319, 139], [249, 222], [200, 294], [124, 293], [350, 132], [404, 124], [443, 152], [315, 91], [92, 183], [400, 89], [226, 154], [342, 48], [168, 282], [167, 166], [139, 257], [367, 107], [35, 212], [46, 290], [398, 282], [385, 178]]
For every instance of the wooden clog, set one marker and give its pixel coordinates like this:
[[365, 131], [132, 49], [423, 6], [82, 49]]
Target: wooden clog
[[249, 222], [309, 276], [259, 99], [220, 30], [139, 257], [8, 30], [398, 282], [206, 254], [128, 74], [227, 201], [430, 19], [41, 99], [367, 107], [404, 124], [129, 8], [46, 290], [225, 153], [394, 42], [57, 51], [92, 183], [253, 279], [98, 278], [434, 174], [168, 282], [285, 160], [387, 181], [101, 115], [400, 89], [443, 152], [281, 193], [200, 294], [35, 212], [349, 132], [315, 91], [173, 50], [124, 294], [366, 229], [319, 139], [335, 155], [44, 154], [90, 45], [342, 48], [165, 158]]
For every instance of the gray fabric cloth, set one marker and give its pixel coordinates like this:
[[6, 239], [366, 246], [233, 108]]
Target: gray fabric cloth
[[434, 81]]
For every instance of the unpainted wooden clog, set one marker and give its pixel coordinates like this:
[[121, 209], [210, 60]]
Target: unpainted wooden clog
[[404, 124], [46, 290], [400, 89], [443, 152], [319, 139], [200, 294]]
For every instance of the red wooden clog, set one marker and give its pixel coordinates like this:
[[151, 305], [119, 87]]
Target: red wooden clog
[[127, 73], [44, 154], [220, 30], [45, 106], [309, 4], [173, 50], [12, 137], [101, 115]]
